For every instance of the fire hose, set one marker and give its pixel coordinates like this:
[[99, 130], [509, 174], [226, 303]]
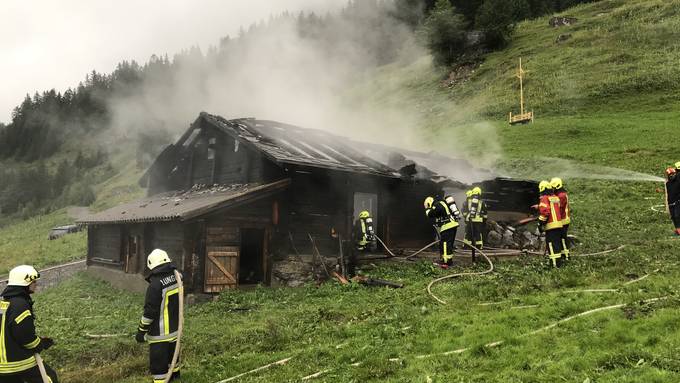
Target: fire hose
[[490, 269], [409, 256], [41, 367], [180, 325]]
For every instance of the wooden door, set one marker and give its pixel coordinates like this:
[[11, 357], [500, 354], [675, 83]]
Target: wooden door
[[221, 268], [221, 258]]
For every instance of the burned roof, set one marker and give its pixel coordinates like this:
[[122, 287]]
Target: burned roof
[[186, 204], [289, 144]]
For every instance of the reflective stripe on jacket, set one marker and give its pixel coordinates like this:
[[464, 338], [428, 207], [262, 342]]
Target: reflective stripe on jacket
[[440, 214], [18, 341], [564, 206], [475, 210], [161, 306], [366, 233], [549, 212]]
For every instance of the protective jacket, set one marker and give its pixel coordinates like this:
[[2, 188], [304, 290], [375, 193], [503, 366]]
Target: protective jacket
[[18, 341], [363, 231], [673, 190], [475, 209], [441, 215], [564, 206], [549, 212], [161, 306]]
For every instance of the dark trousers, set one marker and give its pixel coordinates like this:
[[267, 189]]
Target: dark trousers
[[675, 214], [553, 244], [30, 376], [565, 247], [447, 244], [160, 358], [473, 234]]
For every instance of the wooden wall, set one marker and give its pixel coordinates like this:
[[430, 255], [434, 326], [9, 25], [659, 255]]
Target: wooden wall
[[169, 236], [104, 243]]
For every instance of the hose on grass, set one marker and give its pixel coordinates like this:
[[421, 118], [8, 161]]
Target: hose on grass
[[489, 270], [409, 256], [180, 325]]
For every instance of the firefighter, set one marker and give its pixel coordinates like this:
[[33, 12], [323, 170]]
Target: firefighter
[[673, 196], [18, 341], [475, 215], [159, 323], [364, 235], [466, 218], [444, 220], [561, 193], [550, 222]]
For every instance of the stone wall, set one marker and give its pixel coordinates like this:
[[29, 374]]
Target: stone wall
[[53, 275]]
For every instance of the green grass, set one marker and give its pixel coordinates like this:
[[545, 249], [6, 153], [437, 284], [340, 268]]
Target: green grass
[[26, 243], [605, 98]]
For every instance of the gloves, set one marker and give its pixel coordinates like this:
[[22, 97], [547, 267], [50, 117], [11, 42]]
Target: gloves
[[140, 337], [45, 343]]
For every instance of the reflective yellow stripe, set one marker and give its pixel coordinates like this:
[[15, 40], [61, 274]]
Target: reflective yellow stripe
[[554, 224], [23, 316], [3, 352], [22, 365], [166, 315], [173, 339], [33, 344]]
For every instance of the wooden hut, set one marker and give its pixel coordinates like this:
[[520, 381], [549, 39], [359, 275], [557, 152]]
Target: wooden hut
[[231, 198]]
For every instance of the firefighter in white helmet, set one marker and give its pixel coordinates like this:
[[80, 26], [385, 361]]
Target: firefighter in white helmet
[[160, 321], [19, 342]]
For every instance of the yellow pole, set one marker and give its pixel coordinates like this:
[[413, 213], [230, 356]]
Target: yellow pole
[[521, 88]]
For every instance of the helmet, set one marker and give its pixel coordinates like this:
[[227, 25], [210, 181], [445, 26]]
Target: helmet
[[677, 165], [543, 186], [556, 183], [670, 172], [364, 214], [449, 199], [22, 275], [477, 190], [468, 193], [428, 202], [156, 258]]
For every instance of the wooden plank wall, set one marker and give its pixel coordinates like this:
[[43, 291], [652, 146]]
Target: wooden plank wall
[[314, 204], [407, 225], [105, 242], [232, 163], [169, 236]]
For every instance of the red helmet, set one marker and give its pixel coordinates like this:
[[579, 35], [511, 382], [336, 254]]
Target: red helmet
[[670, 172]]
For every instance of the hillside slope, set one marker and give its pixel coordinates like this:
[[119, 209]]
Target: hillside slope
[[601, 98]]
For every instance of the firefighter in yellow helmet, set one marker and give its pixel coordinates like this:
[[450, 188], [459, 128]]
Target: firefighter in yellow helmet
[[160, 321], [364, 234], [561, 193], [550, 222], [439, 211], [19, 343], [475, 214]]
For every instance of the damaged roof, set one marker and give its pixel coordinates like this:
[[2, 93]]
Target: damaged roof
[[289, 144], [184, 205]]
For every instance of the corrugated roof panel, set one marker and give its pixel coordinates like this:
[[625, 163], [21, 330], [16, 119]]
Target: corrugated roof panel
[[182, 205]]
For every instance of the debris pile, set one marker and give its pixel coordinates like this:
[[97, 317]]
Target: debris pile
[[507, 236]]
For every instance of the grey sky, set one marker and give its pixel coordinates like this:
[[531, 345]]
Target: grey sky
[[48, 44]]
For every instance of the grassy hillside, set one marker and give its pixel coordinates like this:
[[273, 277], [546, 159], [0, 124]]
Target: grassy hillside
[[608, 97], [26, 242]]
